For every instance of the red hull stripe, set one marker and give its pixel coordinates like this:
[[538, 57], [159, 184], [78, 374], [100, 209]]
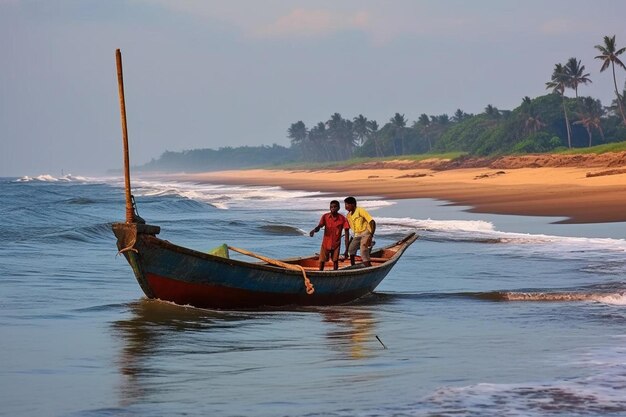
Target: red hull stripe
[[214, 296]]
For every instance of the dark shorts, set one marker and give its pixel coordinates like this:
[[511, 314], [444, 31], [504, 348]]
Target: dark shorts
[[334, 254]]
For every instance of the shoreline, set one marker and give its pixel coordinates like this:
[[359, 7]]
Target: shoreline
[[580, 194]]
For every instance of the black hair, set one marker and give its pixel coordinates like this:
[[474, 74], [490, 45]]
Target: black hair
[[350, 200], [334, 202]]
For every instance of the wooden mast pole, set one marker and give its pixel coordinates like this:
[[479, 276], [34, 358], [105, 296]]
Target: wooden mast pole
[[130, 215]]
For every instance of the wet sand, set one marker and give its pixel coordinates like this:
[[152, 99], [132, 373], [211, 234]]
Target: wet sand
[[581, 194]]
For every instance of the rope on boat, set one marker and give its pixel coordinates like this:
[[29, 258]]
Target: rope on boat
[[129, 247], [307, 283]]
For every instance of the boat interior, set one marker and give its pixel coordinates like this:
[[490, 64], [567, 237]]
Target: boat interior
[[377, 257]]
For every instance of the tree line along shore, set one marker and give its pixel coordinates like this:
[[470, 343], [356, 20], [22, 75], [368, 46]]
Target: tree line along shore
[[551, 123]]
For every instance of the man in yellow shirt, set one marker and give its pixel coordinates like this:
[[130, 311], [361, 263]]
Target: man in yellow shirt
[[363, 226]]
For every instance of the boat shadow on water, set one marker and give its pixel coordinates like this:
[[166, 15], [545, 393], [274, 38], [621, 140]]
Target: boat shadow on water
[[159, 339]]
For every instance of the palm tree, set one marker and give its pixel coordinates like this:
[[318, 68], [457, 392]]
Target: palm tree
[[361, 129], [459, 115], [297, 132], [318, 137], [349, 138], [372, 127], [340, 132], [532, 121], [558, 83], [590, 115], [443, 119], [398, 122], [492, 112], [609, 56], [423, 125], [576, 75], [438, 125], [614, 103], [334, 130], [423, 120]]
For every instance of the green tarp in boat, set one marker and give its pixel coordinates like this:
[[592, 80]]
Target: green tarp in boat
[[221, 250]]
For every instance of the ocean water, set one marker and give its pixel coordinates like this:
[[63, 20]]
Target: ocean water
[[484, 315]]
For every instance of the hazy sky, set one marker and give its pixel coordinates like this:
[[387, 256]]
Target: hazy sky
[[207, 74]]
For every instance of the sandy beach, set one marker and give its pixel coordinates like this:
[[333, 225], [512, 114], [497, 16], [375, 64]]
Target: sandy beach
[[587, 190]]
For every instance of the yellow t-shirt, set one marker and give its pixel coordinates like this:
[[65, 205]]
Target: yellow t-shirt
[[359, 220]]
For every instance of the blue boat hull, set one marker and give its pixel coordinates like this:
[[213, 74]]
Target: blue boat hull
[[184, 276]]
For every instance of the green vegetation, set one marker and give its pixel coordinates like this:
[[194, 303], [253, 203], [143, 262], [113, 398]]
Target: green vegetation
[[223, 158], [550, 123], [362, 160], [598, 149]]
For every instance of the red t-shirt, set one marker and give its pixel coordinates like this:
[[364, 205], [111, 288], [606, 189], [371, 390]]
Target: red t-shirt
[[333, 228]]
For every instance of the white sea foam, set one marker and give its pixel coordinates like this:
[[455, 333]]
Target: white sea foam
[[271, 197], [618, 298], [594, 392], [46, 178], [63, 178], [222, 196], [42, 178], [440, 225], [574, 398], [482, 230], [229, 196]]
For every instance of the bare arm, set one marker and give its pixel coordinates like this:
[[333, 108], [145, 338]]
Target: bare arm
[[318, 227], [372, 231], [314, 231]]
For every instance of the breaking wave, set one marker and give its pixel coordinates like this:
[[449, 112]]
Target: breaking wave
[[617, 298], [484, 232], [571, 398], [616, 295], [225, 197], [51, 178]]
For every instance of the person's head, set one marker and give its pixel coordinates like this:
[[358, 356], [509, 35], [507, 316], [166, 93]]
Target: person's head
[[350, 203], [334, 206]]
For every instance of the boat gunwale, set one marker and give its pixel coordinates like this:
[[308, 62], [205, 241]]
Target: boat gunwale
[[402, 245]]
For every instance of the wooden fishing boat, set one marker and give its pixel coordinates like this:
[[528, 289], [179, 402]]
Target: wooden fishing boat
[[184, 276]]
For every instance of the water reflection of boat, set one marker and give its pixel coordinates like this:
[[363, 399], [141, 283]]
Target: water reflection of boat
[[168, 351], [153, 329], [354, 331]]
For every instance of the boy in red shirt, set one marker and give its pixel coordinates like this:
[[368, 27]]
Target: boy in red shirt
[[334, 225]]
